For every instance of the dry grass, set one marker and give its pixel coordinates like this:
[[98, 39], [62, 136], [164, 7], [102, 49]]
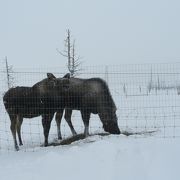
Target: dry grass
[[78, 137]]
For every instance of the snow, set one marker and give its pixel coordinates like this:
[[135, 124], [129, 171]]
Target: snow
[[110, 157], [151, 156]]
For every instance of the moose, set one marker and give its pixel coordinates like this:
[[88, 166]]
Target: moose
[[88, 96], [54, 95], [42, 99]]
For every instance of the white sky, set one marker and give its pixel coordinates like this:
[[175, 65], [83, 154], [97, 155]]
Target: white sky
[[106, 31]]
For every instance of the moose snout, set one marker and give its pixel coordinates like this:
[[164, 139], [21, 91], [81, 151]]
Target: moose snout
[[111, 128]]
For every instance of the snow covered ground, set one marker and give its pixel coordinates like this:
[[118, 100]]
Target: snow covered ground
[[150, 156], [107, 158]]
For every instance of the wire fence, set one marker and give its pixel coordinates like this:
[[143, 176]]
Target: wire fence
[[147, 97]]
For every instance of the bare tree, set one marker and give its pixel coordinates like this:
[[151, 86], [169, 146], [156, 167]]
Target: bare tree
[[9, 71], [69, 52]]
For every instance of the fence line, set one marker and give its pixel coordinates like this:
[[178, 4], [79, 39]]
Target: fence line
[[147, 98]]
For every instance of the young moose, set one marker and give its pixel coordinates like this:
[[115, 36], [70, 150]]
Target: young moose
[[44, 98]]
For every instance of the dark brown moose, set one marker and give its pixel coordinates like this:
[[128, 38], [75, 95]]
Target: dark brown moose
[[44, 98], [89, 96]]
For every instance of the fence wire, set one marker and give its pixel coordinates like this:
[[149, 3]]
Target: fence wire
[[147, 97]]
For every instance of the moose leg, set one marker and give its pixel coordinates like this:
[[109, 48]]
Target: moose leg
[[46, 122], [19, 123], [13, 130], [85, 117], [67, 116], [58, 118]]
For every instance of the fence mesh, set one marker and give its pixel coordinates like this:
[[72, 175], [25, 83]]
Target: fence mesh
[[147, 97]]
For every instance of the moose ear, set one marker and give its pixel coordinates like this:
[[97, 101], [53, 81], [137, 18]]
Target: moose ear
[[50, 76], [67, 76]]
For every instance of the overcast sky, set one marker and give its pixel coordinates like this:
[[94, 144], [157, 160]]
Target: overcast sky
[[106, 31]]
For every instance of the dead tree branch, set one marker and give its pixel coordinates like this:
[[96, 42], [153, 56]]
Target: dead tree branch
[[74, 63]]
